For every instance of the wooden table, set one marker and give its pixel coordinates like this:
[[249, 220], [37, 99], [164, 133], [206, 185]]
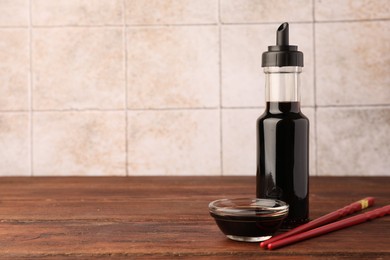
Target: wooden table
[[163, 217]]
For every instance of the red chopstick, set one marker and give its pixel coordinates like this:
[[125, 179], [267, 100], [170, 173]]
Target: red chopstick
[[351, 221], [331, 217]]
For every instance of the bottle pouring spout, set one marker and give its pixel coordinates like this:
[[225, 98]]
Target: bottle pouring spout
[[282, 35]]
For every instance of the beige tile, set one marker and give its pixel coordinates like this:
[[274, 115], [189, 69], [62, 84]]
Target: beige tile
[[79, 143], [239, 140], [259, 11], [331, 10], [353, 141], [173, 67], [174, 142], [14, 12], [78, 68], [14, 69], [353, 63], [77, 12], [14, 144], [171, 11], [242, 74]]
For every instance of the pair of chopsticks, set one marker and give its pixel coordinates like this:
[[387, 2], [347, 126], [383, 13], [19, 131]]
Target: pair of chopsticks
[[321, 225]]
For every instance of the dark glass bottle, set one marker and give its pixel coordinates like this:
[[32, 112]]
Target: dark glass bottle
[[283, 133]]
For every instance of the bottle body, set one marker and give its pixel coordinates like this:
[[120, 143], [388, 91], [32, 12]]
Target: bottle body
[[282, 160], [283, 145]]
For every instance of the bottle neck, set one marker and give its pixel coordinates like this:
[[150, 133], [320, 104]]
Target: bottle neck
[[282, 84], [283, 107]]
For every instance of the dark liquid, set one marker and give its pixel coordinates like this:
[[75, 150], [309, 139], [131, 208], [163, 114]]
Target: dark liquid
[[282, 159], [248, 226]]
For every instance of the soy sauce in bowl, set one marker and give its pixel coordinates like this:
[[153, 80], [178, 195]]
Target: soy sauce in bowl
[[249, 220]]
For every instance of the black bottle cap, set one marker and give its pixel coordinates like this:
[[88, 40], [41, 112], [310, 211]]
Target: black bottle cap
[[282, 54]]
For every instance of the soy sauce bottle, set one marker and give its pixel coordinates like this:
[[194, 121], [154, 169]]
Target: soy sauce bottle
[[283, 132]]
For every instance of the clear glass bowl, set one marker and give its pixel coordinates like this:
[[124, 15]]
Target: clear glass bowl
[[249, 220]]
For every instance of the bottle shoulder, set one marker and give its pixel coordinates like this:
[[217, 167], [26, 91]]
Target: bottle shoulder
[[282, 116]]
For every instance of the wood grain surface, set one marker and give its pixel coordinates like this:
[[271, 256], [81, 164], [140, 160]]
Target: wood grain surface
[[167, 217]]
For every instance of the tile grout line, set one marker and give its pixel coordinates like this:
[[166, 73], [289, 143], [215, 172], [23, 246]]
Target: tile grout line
[[126, 91], [355, 20], [220, 88], [114, 25], [31, 110], [14, 27], [65, 110], [186, 25], [309, 22], [315, 93]]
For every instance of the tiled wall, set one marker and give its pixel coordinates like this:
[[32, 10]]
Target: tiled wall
[[174, 87]]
